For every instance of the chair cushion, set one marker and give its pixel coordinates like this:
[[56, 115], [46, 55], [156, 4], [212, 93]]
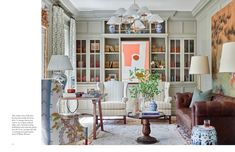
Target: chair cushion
[[163, 105], [113, 105]]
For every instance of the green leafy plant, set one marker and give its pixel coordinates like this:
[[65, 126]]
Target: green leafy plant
[[147, 84]]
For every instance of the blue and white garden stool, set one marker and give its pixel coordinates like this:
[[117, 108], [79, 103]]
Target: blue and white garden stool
[[202, 135]]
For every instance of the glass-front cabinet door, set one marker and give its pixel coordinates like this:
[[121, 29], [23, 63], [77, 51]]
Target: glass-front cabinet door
[[189, 51], [88, 60], [181, 51], [81, 60], [94, 60], [175, 48]]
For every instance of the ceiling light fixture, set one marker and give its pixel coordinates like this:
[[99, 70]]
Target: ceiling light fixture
[[133, 19]]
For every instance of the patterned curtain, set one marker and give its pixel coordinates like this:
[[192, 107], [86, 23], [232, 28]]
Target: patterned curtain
[[58, 30], [72, 54]]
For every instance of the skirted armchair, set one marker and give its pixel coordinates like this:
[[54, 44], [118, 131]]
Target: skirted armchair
[[114, 103]]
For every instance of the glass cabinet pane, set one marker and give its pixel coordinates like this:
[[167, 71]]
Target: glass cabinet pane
[[177, 76], [94, 46], [191, 46], [84, 61], [97, 77], [83, 46], [188, 53], [84, 75], [177, 64], [79, 79], [175, 58], [97, 61], [172, 75], [81, 60], [94, 60]]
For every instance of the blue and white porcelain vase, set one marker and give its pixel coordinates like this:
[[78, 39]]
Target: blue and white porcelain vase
[[152, 106], [112, 28], [158, 28]]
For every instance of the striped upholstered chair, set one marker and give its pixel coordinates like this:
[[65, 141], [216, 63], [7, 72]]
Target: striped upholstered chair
[[114, 103], [164, 100]]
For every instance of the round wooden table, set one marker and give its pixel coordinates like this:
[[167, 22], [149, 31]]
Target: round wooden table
[[146, 138]]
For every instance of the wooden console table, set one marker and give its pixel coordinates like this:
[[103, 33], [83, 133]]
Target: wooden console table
[[94, 100]]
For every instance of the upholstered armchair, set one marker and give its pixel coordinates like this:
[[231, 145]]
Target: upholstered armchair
[[56, 129], [164, 100], [114, 104]]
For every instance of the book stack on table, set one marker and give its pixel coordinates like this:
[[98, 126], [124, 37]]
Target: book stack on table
[[150, 113]]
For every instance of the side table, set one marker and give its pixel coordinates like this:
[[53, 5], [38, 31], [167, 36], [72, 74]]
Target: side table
[[146, 130], [95, 100], [202, 135]]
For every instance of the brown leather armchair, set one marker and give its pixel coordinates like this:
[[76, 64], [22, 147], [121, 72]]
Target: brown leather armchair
[[220, 111]]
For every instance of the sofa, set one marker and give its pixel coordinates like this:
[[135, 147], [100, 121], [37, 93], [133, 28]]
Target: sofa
[[220, 111]]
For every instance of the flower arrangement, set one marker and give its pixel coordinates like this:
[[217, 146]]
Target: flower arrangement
[[147, 86]]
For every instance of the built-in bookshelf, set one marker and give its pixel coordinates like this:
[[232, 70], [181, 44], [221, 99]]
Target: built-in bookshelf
[[159, 56], [111, 59]]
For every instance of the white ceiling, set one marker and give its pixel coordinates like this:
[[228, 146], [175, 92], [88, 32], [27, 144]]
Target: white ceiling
[[178, 5]]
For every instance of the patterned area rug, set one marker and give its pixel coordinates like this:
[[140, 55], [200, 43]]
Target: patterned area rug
[[116, 133], [186, 137], [127, 135]]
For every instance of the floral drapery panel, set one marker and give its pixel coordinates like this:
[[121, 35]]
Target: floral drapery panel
[[58, 31], [72, 54]]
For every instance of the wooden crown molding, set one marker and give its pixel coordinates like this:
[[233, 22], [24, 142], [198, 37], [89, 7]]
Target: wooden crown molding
[[199, 7]]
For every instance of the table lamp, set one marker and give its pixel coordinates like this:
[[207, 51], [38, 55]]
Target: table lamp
[[58, 64], [227, 61], [199, 65]]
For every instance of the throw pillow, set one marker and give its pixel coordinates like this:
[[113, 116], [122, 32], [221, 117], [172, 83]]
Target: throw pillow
[[198, 96]]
